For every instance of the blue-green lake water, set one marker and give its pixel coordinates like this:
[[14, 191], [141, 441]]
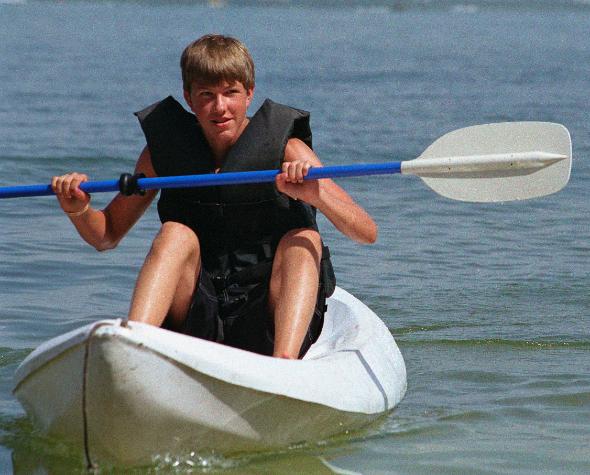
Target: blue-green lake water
[[489, 303]]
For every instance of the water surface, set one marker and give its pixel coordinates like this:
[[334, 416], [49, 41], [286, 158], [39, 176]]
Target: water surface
[[489, 303]]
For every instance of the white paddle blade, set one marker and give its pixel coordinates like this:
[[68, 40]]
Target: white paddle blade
[[497, 162]]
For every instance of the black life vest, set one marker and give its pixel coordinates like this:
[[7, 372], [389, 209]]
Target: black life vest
[[239, 226]]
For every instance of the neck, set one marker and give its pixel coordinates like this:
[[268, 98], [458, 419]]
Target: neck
[[220, 148], [219, 153]]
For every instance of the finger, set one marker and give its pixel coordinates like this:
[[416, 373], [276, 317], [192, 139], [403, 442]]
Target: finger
[[66, 186], [283, 184], [59, 183], [280, 181], [74, 188], [284, 171], [293, 173], [79, 193], [302, 168]]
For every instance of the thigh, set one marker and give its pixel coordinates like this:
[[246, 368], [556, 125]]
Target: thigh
[[166, 282]]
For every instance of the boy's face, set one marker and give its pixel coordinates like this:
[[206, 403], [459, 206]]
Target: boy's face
[[220, 109]]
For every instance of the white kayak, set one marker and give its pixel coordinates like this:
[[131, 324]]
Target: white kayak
[[127, 392]]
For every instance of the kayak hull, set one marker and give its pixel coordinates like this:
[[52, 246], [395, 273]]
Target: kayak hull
[[130, 392]]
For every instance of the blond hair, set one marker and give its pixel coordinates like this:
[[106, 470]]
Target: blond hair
[[215, 58]]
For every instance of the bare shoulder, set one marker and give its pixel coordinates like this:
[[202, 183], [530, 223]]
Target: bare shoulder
[[297, 149]]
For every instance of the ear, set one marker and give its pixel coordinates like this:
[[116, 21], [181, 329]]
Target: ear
[[187, 98], [249, 95]]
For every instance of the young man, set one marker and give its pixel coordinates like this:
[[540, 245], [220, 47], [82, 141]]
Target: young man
[[243, 265]]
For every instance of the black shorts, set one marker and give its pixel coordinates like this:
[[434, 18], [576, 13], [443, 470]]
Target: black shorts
[[238, 316]]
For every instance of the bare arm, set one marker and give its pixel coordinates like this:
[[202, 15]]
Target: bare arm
[[103, 229], [337, 205]]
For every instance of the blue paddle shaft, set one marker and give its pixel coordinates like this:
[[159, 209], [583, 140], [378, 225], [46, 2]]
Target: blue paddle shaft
[[212, 179]]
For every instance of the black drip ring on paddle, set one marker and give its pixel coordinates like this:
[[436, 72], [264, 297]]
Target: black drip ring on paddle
[[128, 184]]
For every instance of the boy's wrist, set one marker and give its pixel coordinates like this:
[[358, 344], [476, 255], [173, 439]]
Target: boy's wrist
[[80, 212]]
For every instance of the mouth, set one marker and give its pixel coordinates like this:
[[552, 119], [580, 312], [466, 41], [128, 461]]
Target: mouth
[[221, 122]]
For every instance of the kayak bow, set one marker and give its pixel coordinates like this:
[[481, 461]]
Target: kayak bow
[[125, 393]]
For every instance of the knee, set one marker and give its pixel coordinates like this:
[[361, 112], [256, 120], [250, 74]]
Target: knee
[[302, 237], [177, 238], [298, 243]]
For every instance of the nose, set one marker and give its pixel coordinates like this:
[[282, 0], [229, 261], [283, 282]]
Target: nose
[[219, 103]]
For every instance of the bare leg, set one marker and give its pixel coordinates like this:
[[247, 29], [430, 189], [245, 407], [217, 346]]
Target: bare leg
[[167, 280], [293, 289]]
